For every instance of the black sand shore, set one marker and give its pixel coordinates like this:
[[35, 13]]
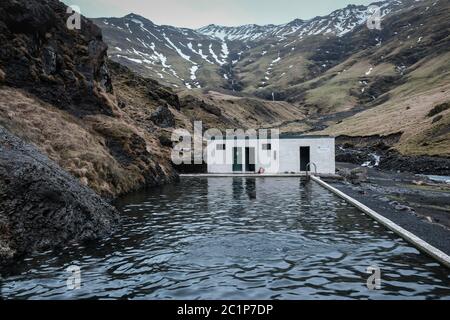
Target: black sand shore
[[422, 210]]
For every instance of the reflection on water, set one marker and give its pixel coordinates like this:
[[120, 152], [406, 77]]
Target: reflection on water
[[236, 238]]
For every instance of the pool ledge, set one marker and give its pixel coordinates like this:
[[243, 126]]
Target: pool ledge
[[405, 234], [255, 175]]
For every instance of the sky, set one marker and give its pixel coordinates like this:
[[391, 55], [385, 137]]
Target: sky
[[198, 13]]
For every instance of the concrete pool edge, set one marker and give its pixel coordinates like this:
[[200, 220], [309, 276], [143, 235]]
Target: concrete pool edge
[[254, 175], [417, 242]]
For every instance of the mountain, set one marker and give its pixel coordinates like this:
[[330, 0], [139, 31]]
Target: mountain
[[333, 69], [209, 57], [175, 56], [337, 23]]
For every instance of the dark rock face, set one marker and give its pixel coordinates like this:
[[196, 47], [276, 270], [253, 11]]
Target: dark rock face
[[163, 118], [358, 150], [439, 109], [66, 68], [419, 164], [155, 90], [165, 140], [42, 206], [49, 60], [352, 156]]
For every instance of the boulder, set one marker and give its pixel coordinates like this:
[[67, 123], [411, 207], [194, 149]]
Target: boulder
[[165, 140], [49, 60], [41, 205], [163, 118], [352, 156], [164, 94], [355, 176]]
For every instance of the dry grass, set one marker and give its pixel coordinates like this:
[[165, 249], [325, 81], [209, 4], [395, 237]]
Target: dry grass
[[78, 146], [332, 97], [406, 111], [245, 112], [407, 115]]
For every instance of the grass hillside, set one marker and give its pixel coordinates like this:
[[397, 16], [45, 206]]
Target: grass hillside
[[56, 92], [142, 96], [112, 155]]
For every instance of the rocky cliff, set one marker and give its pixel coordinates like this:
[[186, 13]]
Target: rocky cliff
[[65, 138], [42, 206], [39, 53], [57, 93]]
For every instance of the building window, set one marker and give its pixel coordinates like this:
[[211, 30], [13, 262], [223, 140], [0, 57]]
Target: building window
[[267, 146], [220, 147], [275, 155]]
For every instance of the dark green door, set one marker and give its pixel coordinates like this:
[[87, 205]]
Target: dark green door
[[250, 162], [237, 159]]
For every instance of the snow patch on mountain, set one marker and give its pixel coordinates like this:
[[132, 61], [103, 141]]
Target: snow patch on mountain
[[214, 55], [178, 50], [193, 72], [130, 59], [369, 71], [339, 22], [225, 51], [199, 52]]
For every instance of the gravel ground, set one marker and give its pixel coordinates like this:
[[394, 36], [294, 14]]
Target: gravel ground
[[422, 210]]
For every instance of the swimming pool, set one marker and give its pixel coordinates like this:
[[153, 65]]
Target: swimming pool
[[235, 238]]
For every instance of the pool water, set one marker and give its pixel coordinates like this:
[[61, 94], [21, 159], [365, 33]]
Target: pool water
[[235, 238]]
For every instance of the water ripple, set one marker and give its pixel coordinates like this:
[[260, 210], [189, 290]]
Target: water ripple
[[235, 238]]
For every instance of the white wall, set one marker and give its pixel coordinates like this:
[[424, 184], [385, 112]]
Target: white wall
[[284, 156], [322, 154]]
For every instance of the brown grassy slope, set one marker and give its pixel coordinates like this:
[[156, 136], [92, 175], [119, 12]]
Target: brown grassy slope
[[245, 113], [407, 112], [110, 154], [122, 152], [57, 94], [409, 75], [141, 97]]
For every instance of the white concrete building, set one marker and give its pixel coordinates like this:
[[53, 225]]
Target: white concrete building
[[287, 154]]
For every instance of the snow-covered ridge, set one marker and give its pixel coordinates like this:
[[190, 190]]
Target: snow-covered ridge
[[174, 54], [191, 58], [339, 23]]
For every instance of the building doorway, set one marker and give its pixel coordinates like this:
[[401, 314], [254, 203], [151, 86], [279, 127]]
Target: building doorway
[[305, 158], [237, 159], [250, 161]]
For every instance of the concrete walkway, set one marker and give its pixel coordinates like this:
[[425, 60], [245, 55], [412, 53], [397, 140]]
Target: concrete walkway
[[405, 230], [255, 175]]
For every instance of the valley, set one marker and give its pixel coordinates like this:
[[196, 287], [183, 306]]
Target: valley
[[334, 74]]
